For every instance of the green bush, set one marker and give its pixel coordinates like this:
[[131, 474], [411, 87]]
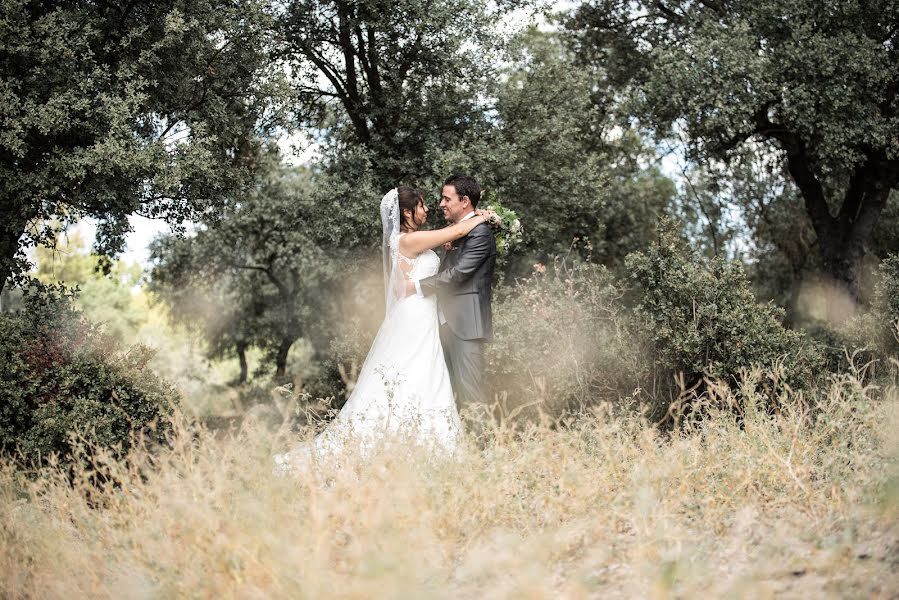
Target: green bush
[[886, 300], [872, 335], [561, 341], [61, 375], [700, 320], [571, 335], [840, 347]]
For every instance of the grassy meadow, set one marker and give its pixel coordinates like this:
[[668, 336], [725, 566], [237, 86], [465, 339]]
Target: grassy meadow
[[803, 503], [695, 304]]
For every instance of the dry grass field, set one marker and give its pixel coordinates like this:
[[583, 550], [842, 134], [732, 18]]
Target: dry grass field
[[801, 504]]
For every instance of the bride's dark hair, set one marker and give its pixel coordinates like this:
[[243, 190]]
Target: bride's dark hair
[[409, 198]]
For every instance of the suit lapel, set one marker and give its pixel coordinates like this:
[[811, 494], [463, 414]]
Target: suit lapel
[[450, 258]]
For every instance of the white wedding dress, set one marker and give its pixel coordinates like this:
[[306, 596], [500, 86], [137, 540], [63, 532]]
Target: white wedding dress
[[403, 387]]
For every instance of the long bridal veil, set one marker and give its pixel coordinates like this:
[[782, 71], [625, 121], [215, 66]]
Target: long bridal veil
[[394, 281]]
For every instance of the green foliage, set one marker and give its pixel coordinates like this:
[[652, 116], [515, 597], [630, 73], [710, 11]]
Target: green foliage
[[700, 319], [825, 70], [110, 109], [106, 299], [876, 331], [886, 234], [816, 82], [545, 158], [887, 290], [184, 279], [266, 273], [639, 194], [573, 335], [392, 83], [561, 158], [562, 340], [61, 376], [781, 254]]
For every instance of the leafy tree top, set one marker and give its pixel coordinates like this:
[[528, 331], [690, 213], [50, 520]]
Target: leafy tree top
[[112, 109], [827, 72], [816, 80]]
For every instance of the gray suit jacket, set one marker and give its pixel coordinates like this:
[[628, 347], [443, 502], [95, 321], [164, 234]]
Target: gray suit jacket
[[464, 285]]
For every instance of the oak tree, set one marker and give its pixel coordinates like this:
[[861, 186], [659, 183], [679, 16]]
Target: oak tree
[[120, 108], [817, 81]]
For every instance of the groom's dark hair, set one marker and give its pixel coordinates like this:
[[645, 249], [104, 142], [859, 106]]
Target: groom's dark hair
[[465, 186]]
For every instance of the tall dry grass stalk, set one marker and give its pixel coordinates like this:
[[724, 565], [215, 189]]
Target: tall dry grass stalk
[[804, 503]]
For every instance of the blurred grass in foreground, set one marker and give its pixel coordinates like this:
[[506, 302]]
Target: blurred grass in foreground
[[803, 503]]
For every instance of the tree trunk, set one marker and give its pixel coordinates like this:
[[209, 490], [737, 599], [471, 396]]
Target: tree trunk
[[844, 249], [841, 262], [842, 238], [242, 356], [281, 357], [291, 330], [839, 289]]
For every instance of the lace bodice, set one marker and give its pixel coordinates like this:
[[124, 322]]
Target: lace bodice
[[424, 265]]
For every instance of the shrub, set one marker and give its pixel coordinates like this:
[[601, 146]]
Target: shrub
[[840, 347], [61, 375], [700, 319], [561, 340], [886, 301], [872, 335]]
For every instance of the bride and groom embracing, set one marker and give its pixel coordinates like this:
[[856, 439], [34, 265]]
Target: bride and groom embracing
[[431, 342]]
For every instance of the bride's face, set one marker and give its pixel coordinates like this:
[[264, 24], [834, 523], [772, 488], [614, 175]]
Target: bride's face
[[421, 213], [420, 216]]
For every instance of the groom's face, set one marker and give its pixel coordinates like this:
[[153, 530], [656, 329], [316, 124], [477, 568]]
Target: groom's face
[[453, 207]]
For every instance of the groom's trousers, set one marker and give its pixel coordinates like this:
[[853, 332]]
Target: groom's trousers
[[466, 362]]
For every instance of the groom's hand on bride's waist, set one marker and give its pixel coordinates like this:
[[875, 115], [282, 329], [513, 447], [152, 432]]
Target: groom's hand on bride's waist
[[410, 287]]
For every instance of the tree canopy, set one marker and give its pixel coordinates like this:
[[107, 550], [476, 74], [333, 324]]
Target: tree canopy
[[556, 151], [787, 111], [113, 109], [815, 81], [399, 80], [260, 275]]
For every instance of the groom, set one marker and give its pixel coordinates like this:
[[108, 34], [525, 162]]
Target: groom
[[463, 288]]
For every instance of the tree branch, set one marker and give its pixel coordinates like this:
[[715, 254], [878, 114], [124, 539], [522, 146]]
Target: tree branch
[[328, 70], [881, 176], [363, 50], [349, 59], [713, 229], [282, 289], [800, 168], [404, 67], [714, 5], [892, 32], [670, 14], [852, 201], [317, 92], [375, 76]]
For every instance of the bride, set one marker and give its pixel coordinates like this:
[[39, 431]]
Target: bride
[[403, 386]]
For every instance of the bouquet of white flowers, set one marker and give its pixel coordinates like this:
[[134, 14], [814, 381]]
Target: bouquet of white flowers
[[508, 230]]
